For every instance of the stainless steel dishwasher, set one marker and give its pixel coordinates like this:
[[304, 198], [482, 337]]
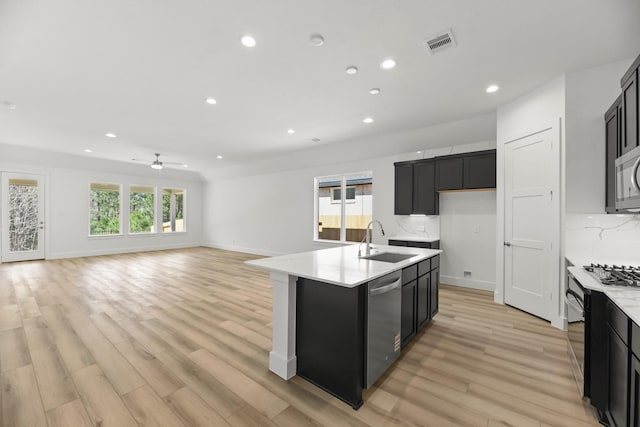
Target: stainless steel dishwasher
[[383, 324]]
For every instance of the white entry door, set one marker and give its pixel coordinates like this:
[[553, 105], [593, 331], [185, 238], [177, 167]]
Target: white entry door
[[531, 173], [22, 217]]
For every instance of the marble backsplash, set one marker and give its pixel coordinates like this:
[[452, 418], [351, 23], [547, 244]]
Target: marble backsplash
[[418, 226], [603, 238]]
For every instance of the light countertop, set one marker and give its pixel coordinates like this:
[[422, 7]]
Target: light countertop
[[415, 238], [628, 299], [342, 266]]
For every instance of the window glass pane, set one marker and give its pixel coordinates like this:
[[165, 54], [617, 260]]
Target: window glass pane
[[23, 215], [172, 210], [329, 213], [141, 209], [104, 209], [358, 206]]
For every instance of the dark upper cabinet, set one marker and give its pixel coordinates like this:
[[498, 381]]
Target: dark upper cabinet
[[424, 193], [403, 203], [467, 171], [415, 188], [480, 171], [449, 172], [629, 83], [612, 119]]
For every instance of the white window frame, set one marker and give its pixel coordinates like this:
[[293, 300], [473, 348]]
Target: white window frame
[[343, 219], [161, 208], [155, 211]]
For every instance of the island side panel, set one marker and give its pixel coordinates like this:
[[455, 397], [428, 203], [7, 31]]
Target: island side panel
[[331, 338], [282, 358]]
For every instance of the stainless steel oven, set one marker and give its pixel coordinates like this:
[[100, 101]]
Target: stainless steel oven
[[628, 181], [577, 300]]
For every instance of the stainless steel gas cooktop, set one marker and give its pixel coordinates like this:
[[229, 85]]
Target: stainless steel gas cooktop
[[616, 275]]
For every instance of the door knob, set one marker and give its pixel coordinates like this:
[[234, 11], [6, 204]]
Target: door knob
[[507, 244]]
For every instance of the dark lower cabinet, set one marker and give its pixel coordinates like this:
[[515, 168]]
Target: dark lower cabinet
[[422, 303], [634, 389], [434, 297], [408, 328], [330, 338], [618, 407]]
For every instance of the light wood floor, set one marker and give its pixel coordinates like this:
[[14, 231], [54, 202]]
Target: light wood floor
[[181, 338]]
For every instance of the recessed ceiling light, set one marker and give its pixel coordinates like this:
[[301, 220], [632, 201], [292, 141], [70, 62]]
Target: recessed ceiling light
[[367, 120], [211, 101], [492, 88], [291, 131], [248, 41], [110, 135], [388, 64], [86, 150], [316, 40], [185, 166], [218, 156], [374, 91], [351, 70], [418, 152]]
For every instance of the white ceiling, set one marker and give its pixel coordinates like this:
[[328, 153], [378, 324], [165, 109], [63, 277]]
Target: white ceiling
[[142, 69]]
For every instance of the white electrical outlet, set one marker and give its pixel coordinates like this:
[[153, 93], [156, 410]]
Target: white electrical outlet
[[420, 227]]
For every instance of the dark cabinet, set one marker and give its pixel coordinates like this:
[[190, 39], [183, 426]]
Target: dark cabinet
[[618, 380], [629, 83], [412, 244], [419, 297], [408, 322], [469, 171], [618, 372], [612, 119], [415, 188], [634, 397], [480, 171], [403, 203], [422, 303], [434, 297], [449, 173], [425, 200], [330, 348]]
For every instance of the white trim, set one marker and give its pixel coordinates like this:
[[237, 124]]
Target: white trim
[[468, 283], [124, 250]]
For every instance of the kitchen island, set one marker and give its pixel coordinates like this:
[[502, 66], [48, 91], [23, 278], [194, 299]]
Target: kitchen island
[[342, 274]]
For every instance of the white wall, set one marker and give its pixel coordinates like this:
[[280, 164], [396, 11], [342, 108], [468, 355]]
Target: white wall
[[468, 239], [540, 108], [67, 201]]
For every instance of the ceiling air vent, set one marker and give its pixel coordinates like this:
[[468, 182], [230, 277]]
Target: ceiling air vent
[[442, 40]]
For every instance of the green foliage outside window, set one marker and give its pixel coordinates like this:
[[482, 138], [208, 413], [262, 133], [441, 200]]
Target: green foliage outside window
[[104, 210], [141, 211]]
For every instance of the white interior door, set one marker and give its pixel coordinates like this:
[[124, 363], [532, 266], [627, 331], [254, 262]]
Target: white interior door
[[22, 217], [531, 166]]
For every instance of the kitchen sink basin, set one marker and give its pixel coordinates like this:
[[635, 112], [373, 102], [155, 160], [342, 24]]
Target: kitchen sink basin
[[388, 257]]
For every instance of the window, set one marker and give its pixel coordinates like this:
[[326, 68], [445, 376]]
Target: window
[[172, 210], [141, 209], [104, 209], [343, 218]]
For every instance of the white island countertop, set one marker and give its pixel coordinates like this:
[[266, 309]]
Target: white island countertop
[[342, 266]]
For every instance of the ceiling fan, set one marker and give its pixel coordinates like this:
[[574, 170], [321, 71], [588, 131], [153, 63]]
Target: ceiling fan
[[157, 164]]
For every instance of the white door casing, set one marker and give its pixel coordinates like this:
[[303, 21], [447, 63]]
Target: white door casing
[[531, 223], [23, 213]]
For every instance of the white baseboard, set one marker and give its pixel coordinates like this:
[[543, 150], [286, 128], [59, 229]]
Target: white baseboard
[[115, 251], [243, 249], [468, 283]]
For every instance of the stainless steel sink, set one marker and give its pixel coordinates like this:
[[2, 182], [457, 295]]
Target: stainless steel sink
[[388, 257]]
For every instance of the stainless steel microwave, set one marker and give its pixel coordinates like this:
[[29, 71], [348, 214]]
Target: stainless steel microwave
[[628, 181]]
